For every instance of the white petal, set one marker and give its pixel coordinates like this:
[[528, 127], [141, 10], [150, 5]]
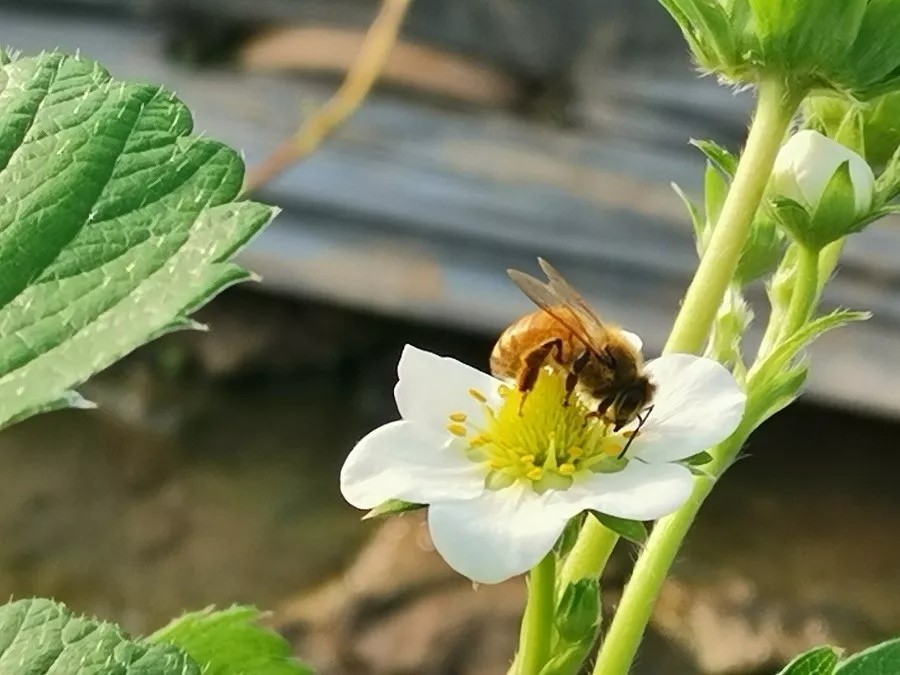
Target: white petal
[[638, 492], [634, 339], [697, 404], [431, 387], [401, 460], [499, 535]]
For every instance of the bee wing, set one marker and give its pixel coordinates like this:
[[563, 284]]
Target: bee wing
[[592, 322], [548, 300]]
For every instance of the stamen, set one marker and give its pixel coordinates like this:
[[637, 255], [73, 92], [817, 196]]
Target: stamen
[[527, 459], [457, 430], [612, 449], [458, 417], [504, 391], [575, 452], [477, 395], [535, 474], [629, 433], [566, 469], [498, 463]]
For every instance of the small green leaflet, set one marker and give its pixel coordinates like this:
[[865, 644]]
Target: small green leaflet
[[392, 507], [230, 642], [42, 637], [883, 659], [115, 224], [819, 661]]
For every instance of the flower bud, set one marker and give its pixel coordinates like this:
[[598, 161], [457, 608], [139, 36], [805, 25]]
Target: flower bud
[[578, 612], [807, 164], [821, 191]]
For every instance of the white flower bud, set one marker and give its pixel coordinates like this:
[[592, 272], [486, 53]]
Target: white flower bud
[[806, 165]]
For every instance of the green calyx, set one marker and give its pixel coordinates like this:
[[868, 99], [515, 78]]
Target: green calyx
[[846, 45]]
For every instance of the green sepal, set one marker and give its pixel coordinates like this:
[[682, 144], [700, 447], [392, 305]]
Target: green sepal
[[393, 507], [724, 160], [794, 218], [835, 217], [578, 610], [568, 661], [699, 459], [570, 535], [818, 661], [632, 530]]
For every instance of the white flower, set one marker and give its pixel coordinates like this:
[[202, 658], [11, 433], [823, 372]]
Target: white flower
[[809, 160], [501, 486]]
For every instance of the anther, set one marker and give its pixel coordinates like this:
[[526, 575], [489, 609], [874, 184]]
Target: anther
[[477, 395], [535, 474], [527, 459], [612, 449], [566, 469], [575, 452], [504, 391], [458, 417], [498, 463], [457, 430]]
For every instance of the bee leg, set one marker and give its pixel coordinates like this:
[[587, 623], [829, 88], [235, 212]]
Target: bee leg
[[531, 368], [600, 412], [572, 377]]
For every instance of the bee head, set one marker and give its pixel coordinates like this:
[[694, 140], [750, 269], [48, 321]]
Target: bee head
[[632, 400]]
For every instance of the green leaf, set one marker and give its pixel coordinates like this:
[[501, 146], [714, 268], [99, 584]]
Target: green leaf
[[887, 185], [883, 659], [875, 53], [819, 661], [724, 160], [632, 530], [39, 637], [773, 382], [230, 642], [115, 223], [392, 507], [701, 231]]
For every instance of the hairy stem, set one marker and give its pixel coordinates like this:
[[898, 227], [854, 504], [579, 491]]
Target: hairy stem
[[589, 555], [775, 108], [805, 293]]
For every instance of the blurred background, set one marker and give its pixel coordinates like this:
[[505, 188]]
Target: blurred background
[[500, 130]]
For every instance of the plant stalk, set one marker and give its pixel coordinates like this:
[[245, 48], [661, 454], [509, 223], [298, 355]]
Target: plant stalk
[[775, 108], [536, 635]]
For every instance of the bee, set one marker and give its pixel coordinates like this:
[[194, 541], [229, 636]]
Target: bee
[[565, 333]]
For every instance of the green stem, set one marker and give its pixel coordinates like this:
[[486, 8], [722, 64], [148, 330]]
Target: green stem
[[805, 293], [828, 261], [775, 108], [621, 642], [537, 624], [589, 555]]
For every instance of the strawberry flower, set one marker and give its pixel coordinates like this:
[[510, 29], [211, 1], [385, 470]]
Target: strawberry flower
[[501, 485]]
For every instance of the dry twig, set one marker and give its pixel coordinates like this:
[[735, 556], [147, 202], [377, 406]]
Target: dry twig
[[370, 61]]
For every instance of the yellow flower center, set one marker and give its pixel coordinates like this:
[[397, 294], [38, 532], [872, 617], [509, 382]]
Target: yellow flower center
[[547, 443]]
